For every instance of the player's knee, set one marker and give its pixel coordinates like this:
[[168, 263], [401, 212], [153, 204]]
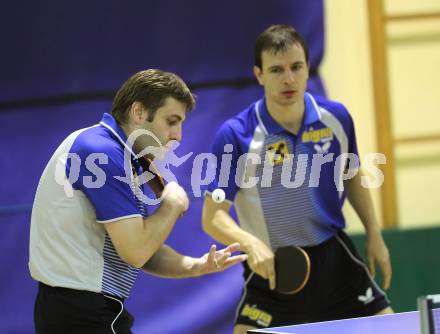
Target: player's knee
[[242, 329], [387, 310]]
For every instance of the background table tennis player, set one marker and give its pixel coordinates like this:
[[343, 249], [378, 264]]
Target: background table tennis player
[[405, 323]]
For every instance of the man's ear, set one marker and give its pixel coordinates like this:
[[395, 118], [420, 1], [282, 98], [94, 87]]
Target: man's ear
[[137, 113], [258, 73]]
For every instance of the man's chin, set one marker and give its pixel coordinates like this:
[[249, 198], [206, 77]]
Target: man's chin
[[287, 101]]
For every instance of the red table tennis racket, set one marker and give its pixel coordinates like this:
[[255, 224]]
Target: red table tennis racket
[[156, 183], [292, 268]]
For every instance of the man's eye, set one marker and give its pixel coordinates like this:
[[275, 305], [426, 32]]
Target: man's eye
[[297, 67], [172, 123], [275, 70]]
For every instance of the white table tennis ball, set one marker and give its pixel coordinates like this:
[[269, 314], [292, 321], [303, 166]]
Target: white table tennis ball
[[218, 195]]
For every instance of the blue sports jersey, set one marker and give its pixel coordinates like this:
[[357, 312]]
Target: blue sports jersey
[[287, 189], [85, 185]]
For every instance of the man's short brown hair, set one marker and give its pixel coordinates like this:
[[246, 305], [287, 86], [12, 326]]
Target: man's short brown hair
[[151, 88], [278, 38]]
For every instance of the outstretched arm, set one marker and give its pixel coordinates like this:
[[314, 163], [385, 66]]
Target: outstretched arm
[[166, 262]]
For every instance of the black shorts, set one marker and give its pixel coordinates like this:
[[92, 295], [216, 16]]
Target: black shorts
[[339, 287], [67, 311]]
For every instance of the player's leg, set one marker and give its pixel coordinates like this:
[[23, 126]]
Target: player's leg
[[255, 310], [362, 295], [242, 329], [349, 247], [260, 307], [67, 311], [387, 310]]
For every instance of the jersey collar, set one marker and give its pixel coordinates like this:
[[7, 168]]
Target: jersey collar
[[109, 122], [312, 114]]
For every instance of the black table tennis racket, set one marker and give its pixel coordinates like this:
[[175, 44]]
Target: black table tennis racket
[[292, 268]]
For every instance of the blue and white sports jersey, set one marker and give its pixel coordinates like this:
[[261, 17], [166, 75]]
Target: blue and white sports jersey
[[287, 189], [80, 190]]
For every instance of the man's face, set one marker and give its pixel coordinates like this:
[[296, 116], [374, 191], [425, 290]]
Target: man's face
[[283, 75], [166, 126]]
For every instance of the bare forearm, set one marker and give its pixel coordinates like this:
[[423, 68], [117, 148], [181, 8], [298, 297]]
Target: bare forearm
[[361, 201], [156, 229], [376, 249], [136, 240], [219, 224], [166, 262], [221, 227]]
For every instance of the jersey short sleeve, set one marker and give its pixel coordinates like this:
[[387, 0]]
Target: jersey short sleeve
[[351, 136], [352, 145], [98, 171], [226, 149]]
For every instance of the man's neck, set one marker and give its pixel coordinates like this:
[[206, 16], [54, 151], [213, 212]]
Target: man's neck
[[289, 117], [128, 130]]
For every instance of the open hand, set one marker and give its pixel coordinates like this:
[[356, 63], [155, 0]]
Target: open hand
[[215, 261]]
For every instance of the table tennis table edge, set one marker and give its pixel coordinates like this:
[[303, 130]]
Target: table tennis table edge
[[271, 330]]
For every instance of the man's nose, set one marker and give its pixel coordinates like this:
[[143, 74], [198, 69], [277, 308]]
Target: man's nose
[[289, 77], [176, 134]]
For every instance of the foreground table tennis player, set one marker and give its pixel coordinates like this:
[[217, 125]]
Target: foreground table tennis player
[[91, 232]]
